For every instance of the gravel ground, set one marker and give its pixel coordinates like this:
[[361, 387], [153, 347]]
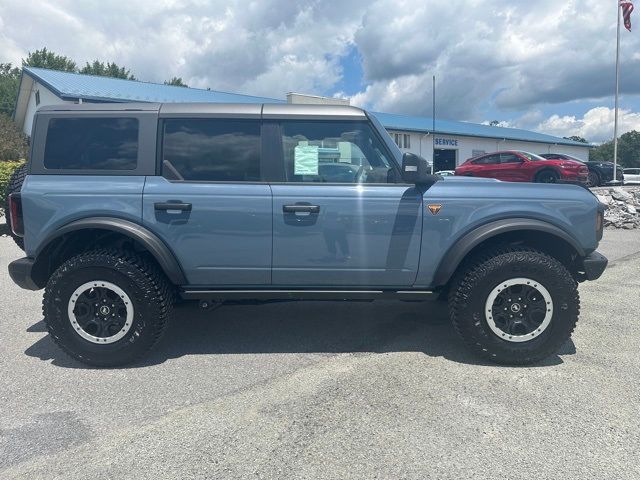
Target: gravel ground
[[327, 390]]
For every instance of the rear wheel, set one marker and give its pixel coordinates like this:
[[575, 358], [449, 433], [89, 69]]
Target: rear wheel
[[593, 179], [514, 305], [107, 308], [547, 176], [14, 186]]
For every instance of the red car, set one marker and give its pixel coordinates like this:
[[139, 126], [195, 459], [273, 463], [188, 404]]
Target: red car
[[518, 166]]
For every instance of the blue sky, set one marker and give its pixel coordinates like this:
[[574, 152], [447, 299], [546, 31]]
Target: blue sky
[[543, 65]]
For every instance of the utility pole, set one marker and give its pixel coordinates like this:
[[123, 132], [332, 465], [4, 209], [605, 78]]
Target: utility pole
[[615, 122], [433, 130]]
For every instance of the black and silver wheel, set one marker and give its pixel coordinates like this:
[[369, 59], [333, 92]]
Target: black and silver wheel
[[593, 179], [547, 176], [514, 305], [101, 312], [107, 308], [519, 309]]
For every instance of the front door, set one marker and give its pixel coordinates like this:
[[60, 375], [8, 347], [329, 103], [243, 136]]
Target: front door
[[210, 205], [340, 218]]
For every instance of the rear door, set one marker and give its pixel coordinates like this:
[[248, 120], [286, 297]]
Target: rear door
[[340, 218], [210, 203]]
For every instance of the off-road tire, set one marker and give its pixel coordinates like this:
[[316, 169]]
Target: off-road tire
[[14, 186], [475, 280], [139, 277]]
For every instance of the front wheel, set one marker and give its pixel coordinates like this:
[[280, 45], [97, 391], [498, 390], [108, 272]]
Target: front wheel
[[547, 176], [107, 308], [593, 179], [514, 305]]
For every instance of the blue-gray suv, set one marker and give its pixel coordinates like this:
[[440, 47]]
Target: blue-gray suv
[[126, 209]]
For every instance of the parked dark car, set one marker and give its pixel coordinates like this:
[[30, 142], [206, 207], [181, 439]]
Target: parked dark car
[[600, 173], [518, 166]]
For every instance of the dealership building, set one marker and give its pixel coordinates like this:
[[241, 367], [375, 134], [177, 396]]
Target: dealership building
[[448, 145]]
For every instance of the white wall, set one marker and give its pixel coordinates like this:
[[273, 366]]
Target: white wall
[[421, 144], [46, 98]]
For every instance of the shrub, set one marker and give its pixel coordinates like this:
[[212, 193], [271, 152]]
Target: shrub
[[6, 169], [13, 143]]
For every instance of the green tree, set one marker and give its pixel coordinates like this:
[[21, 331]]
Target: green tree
[[13, 143], [107, 70], [176, 82], [576, 138], [9, 83], [44, 58], [628, 150]]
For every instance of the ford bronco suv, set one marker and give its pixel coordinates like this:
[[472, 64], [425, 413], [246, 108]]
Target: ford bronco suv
[[126, 209]]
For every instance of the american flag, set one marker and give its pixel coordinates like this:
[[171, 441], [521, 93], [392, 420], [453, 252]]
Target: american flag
[[627, 8]]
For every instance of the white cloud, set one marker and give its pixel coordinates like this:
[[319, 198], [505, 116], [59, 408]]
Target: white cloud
[[265, 47], [596, 125], [488, 55]]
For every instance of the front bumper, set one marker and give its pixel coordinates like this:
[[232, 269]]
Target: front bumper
[[20, 272], [574, 177], [592, 266]]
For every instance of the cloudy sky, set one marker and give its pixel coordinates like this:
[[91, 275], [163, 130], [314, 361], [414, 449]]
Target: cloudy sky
[[546, 65]]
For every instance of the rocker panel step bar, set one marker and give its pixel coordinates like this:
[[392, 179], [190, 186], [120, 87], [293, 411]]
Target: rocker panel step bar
[[221, 295]]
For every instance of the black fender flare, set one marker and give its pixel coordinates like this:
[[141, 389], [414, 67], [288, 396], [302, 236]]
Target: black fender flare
[[459, 250], [150, 241]]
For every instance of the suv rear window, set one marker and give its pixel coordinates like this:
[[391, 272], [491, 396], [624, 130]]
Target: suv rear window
[[91, 144], [210, 149]]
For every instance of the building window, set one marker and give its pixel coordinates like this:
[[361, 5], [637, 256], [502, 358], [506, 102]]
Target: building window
[[407, 141], [37, 97]]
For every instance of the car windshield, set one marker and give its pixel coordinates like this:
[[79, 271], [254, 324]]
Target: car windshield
[[564, 156], [532, 156], [575, 159]]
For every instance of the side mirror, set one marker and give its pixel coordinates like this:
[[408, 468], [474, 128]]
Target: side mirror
[[416, 170]]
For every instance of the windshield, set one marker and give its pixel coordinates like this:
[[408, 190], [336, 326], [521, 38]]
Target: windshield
[[564, 156], [532, 156], [575, 159]]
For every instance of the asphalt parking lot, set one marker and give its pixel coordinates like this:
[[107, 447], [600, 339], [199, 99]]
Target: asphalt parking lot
[[327, 390]]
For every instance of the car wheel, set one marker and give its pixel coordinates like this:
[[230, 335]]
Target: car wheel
[[107, 308], [547, 176], [514, 305], [593, 179], [14, 186]]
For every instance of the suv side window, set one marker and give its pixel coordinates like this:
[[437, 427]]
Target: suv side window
[[334, 152], [91, 144], [211, 149]]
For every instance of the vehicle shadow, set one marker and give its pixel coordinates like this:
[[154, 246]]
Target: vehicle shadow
[[301, 327]]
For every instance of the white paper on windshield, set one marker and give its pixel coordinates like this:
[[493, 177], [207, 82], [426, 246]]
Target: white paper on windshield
[[305, 160]]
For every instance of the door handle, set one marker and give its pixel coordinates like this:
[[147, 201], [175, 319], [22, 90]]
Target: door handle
[[301, 209], [183, 207]]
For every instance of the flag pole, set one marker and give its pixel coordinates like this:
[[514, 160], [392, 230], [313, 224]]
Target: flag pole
[[615, 122], [433, 136]]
